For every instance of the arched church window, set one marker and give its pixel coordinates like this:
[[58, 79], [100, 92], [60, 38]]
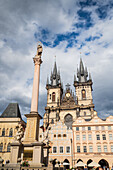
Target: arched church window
[[11, 132], [53, 97], [3, 132], [52, 121], [50, 96], [8, 147], [68, 121], [83, 94], [1, 147]]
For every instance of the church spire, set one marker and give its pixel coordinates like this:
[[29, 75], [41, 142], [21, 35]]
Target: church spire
[[82, 72], [55, 78], [81, 67]]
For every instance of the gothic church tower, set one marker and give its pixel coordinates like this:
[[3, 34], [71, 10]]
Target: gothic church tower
[[54, 96], [83, 89]]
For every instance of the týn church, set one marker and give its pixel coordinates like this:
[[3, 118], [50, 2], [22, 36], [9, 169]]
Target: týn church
[[71, 130]]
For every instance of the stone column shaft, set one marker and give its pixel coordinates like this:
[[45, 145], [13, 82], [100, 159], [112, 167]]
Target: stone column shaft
[[35, 92]]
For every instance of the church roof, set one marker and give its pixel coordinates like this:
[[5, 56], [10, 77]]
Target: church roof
[[12, 111]]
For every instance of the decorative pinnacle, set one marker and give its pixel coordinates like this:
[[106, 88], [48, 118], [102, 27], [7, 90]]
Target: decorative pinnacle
[[74, 77]]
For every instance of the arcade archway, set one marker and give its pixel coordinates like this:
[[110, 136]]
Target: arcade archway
[[104, 163], [79, 160], [54, 162], [89, 161], [66, 164]]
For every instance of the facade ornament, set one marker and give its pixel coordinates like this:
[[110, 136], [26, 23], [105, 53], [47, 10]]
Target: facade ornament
[[19, 133]]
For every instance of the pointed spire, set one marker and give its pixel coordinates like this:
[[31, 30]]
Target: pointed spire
[[86, 72], [74, 77], [47, 81], [55, 69], [90, 77], [55, 77], [81, 67]]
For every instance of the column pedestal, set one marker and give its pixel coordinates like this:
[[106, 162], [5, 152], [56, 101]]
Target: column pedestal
[[16, 150]]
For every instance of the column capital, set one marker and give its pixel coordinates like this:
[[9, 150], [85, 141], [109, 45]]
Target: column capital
[[37, 60]]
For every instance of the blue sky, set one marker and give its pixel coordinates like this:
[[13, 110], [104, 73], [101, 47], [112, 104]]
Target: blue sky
[[68, 29]]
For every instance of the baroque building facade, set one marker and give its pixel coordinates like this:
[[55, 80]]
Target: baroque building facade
[[10, 120], [71, 124]]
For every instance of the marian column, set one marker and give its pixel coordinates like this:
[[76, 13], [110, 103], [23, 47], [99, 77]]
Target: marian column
[[35, 94], [33, 119]]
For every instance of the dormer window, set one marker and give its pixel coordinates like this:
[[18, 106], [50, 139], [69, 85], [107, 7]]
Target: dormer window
[[53, 97], [83, 94]]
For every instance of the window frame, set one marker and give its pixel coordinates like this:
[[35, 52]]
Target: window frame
[[78, 149], [62, 149], [103, 136], [98, 136], [53, 149], [85, 149], [69, 149]]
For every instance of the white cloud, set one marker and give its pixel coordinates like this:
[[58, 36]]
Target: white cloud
[[20, 20]]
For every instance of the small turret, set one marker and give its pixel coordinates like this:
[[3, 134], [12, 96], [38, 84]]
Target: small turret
[[47, 83], [90, 77], [74, 77]]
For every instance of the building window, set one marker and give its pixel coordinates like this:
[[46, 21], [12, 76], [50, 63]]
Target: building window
[[89, 137], [8, 147], [11, 132], [102, 127], [84, 137], [77, 137], [110, 137], [54, 135], [90, 148], [78, 149], [1, 147], [103, 136], [54, 149], [84, 149], [83, 128], [3, 132], [64, 135], [61, 149], [97, 128], [52, 121], [105, 148], [59, 135], [53, 97], [50, 96], [83, 94], [111, 148], [109, 127], [77, 128], [89, 128], [68, 149], [40, 136], [99, 148], [98, 137]]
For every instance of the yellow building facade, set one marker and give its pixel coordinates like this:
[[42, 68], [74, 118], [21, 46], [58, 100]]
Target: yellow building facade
[[9, 122]]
